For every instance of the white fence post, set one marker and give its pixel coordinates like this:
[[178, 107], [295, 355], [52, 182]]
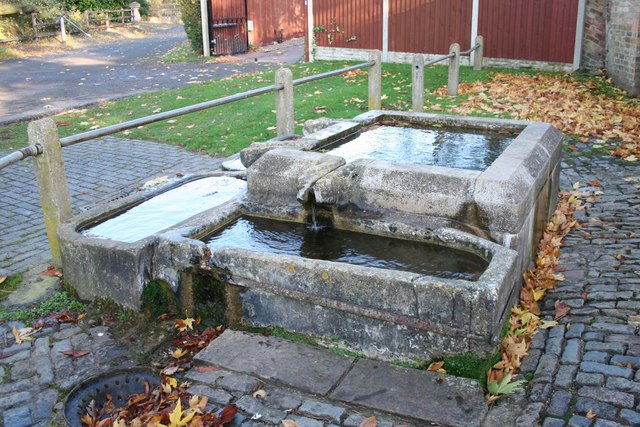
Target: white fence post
[[375, 81], [479, 54], [63, 31], [454, 69], [52, 181], [285, 124], [417, 96]]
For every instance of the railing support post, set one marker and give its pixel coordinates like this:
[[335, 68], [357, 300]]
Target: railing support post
[[375, 81], [63, 31], [454, 69], [417, 96], [479, 54], [285, 123], [52, 182]]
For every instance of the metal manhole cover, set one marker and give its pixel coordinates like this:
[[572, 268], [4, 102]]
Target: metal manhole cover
[[119, 384]]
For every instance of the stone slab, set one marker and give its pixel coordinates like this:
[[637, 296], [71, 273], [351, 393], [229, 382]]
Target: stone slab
[[421, 395], [305, 368]]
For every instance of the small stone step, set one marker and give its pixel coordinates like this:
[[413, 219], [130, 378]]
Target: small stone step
[[300, 366], [421, 395]]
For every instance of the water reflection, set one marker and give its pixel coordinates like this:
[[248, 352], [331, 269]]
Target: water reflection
[[168, 209], [282, 237], [468, 149]]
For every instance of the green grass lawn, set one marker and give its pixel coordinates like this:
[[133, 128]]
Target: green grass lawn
[[227, 129]]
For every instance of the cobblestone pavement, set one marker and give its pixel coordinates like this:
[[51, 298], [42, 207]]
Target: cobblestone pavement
[[590, 361], [35, 373], [97, 171]]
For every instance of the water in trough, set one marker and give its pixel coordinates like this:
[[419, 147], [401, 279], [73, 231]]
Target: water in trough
[[328, 243], [463, 149]]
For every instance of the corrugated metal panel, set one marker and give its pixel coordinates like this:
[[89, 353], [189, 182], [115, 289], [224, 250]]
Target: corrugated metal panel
[[539, 30], [276, 19], [354, 24], [429, 26]]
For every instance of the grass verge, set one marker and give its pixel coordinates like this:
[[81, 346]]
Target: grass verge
[[227, 129], [58, 303]]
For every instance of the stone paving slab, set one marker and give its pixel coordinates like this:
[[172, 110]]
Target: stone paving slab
[[303, 367], [423, 395]]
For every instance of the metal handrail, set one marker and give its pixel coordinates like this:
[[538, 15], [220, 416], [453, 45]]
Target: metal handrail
[[441, 58], [468, 52], [34, 150]]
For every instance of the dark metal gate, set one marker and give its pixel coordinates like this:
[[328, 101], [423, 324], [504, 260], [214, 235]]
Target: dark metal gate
[[228, 27]]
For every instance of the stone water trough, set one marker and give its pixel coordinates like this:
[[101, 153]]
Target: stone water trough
[[483, 219]]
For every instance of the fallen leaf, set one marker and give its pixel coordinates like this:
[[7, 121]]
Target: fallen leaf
[[209, 368], [51, 271], [76, 353], [3, 278], [562, 309], [184, 324], [594, 184], [289, 423], [23, 334], [369, 422], [437, 367], [591, 415], [260, 394], [546, 324], [178, 353]]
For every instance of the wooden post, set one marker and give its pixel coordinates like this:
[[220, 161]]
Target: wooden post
[[375, 81], [34, 24], [285, 123], [52, 182], [454, 69], [417, 96], [479, 54], [63, 32]]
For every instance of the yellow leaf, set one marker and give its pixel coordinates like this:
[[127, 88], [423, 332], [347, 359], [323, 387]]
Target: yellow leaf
[[437, 367], [178, 353], [538, 294], [289, 423], [2, 279]]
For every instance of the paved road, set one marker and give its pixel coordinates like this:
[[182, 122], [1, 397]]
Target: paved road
[[49, 84]]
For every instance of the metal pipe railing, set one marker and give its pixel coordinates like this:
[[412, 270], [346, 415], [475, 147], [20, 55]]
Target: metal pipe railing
[[332, 73], [440, 58], [34, 150], [468, 52], [21, 154]]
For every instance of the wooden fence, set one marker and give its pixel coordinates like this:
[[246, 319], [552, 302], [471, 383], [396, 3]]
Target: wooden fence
[[533, 32]]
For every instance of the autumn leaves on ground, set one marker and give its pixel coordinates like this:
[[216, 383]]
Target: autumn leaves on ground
[[590, 108]]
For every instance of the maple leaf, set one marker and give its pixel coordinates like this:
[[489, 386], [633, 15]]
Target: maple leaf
[[184, 324], [22, 334], [505, 386]]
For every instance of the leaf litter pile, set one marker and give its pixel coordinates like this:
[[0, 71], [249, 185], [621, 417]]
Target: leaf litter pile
[[580, 107], [525, 320]]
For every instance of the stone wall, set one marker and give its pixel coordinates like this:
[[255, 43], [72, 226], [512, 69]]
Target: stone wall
[[595, 34], [612, 41], [623, 45]]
